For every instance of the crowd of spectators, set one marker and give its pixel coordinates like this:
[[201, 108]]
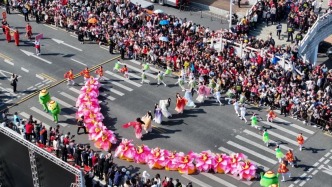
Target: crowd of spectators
[[136, 33], [94, 163]]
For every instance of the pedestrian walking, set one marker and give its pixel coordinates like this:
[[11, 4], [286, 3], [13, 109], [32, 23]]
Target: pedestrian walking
[[254, 121], [181, 83], [70, 77], [160, 78], [279, 154], [290, 157], [143, 78], [25, 13], [81, 125], [86, 74], [13, 82], [266, 138], [290, 31], [37, 46], [284, 171], [100, 73], [300, 141], [7, 7], [236, 107], [243, 113], [279, 29]]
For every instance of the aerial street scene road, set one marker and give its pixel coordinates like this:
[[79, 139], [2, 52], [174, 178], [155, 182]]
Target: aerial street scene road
[[166, 93]]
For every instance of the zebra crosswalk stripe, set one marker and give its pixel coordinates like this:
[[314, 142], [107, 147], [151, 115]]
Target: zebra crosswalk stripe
[[62, 102], [139, 63], [49, 117], [283, 138], [254, 144], [194, 180], [282, 128], [68, 96], [296, 126], [124, 79], [75, 90], [114, 91], [118, 84], [217, 179], [140, 70]]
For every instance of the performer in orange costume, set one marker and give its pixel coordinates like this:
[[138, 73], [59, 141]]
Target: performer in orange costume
[[70, 77], [8, 37], [100, 73], [28, 30], [86, 74], [300, 140], [270, 116], [290, 157], [283, 170], [17, 37], [124, 70]]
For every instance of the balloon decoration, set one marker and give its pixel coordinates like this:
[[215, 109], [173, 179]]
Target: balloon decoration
[[89, 111], [156, 158]]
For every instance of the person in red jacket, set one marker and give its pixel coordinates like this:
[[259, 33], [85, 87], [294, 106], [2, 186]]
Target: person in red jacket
[[28, 131], [7, 31], [28, 30], [17, 37]]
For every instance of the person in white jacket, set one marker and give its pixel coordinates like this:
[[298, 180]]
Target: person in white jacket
[[243, 113]]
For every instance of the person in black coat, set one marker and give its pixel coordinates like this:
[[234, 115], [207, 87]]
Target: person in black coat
[[111, 47], [122, 51], [100, 166], [14, 80], [64, 153]]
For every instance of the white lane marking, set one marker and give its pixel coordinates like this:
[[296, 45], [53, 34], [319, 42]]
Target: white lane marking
[[327, 154], [316, 164], [75, 90], [295, 126], [25, 70], [73, 36], [124, 79], [258, 155], [283, 138], [118, 84], [6, 91], [303, 182], [40, 77], [69, 96], [48, 81], [35, 56], [102, 47], [138, 77], [64, 43], [314, 172], [49, 117], [225, 150], [254, 144], [31, 87], [261, 138], [78, 62], [140, 71], [40, 86], [298, 180], [327, 161], [249, 183], [282, 129], [139, 63], [114, 91], [217, 179], [51, 27], [27, 116], [110, 98], [194, 180], [62, 102], [9, 62], [9, 101], [321, 159], [10, 91]]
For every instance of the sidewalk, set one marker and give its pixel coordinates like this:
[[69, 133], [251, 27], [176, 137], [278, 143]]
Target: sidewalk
[[221, 7]]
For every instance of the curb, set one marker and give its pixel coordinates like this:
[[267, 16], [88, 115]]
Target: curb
[[215, 10]]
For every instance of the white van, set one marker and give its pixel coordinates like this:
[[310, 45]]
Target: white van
[[143, 3]]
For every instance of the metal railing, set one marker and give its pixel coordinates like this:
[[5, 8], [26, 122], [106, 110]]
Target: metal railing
[[32, 147], [193, 10]]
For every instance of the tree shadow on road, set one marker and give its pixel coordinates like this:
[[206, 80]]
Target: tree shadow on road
[[313, 150]]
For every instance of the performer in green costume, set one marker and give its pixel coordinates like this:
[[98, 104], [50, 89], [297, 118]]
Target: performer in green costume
[[269, 179], [54, 108], [44, 98], [254, 121], [279, 154], [266, 138]]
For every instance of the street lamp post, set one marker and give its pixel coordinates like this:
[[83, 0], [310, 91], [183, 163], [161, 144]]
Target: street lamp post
[[230, 14]]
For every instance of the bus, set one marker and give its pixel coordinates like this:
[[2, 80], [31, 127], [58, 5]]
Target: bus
[[175, 3]]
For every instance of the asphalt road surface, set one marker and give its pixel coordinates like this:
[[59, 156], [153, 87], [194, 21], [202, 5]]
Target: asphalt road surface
[[207, 127]]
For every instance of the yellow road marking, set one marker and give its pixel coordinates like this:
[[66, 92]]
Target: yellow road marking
[[327, 134], [48, 77], [5, 57], [55, 84]]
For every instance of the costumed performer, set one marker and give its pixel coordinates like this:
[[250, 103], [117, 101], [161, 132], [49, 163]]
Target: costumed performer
[[156, 158], [235, 159], [168, 71], [266, 138], [171, 161], [270, 116], [86, 74], [290, 157], [217, 95], [137, 125], [279, 154], [189, 98], [105, 140], [157, 114], [203, 91], [254, 121], [117, 66], [269, 178], [247, 170], [126, 150], [222, 163], [142, 154], [180, 82], [147, 122], [205, 161], [284, 170], [300, 141], [160, 78], [186, 163], [164, 105], [44, 98], [180, 103], [124, 71], [54, 108]]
